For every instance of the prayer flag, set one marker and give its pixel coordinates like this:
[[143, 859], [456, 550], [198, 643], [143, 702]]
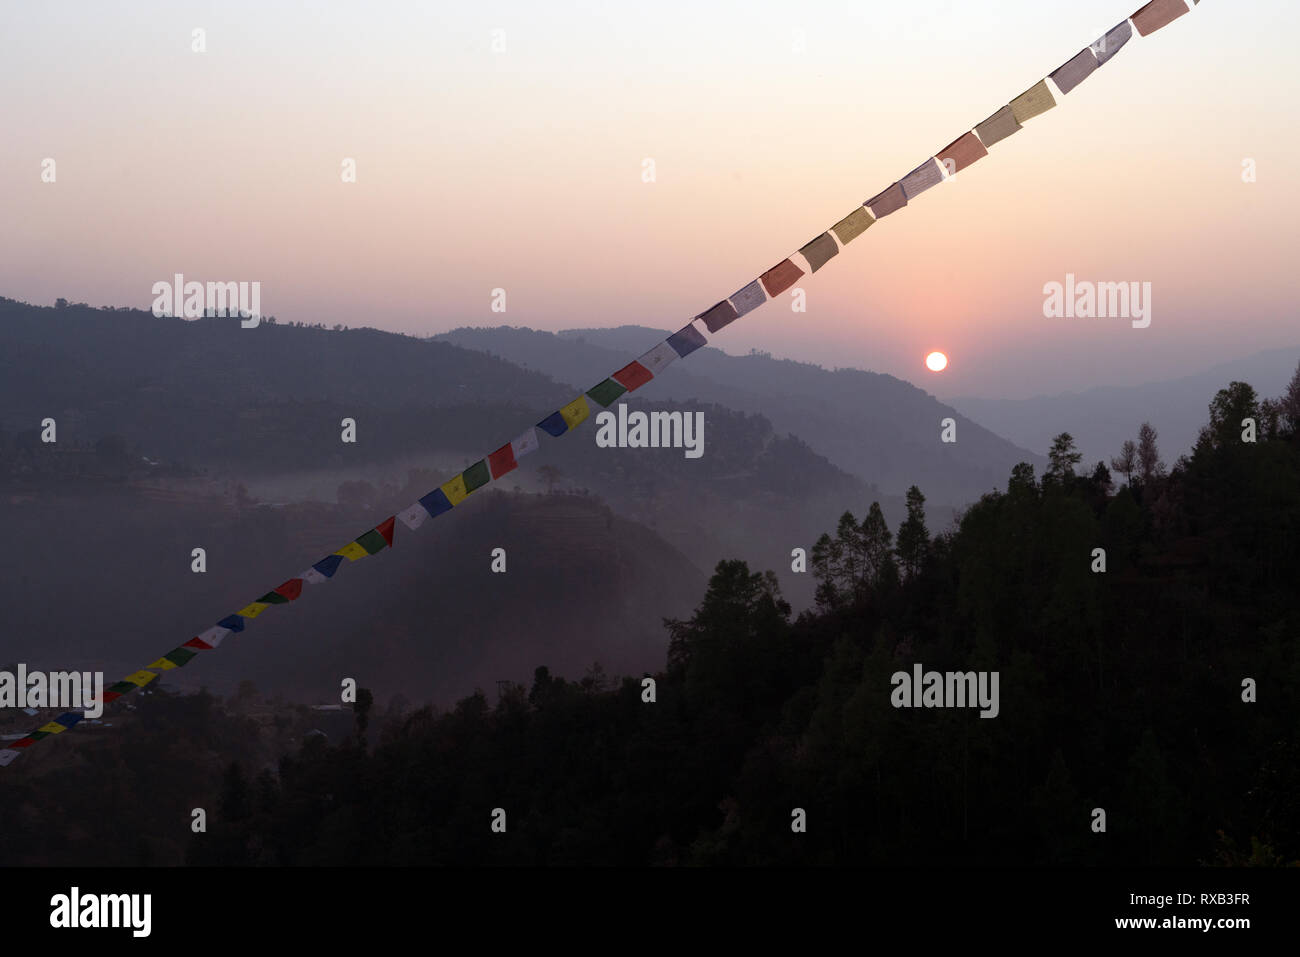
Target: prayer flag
[[180, 656], [476, 476], [748, 298], [961, 152], [658, 358], [526, 443], [436, 502], [819, 251], [853, 225], [252, 609], [606, 392], [502, 461], [632, 376], [718, 316], [414, 516], [1075, 70], [922, 178], [887, 201], [1035, 100], [455, 490], [1107, 46], [352, 551], [780, 277], [554, 424], [328, 565], [1157, 14], [576, 412], [372, 542], [234, 622], [140, 678], [686, 340], [290, 589], [997, 127]]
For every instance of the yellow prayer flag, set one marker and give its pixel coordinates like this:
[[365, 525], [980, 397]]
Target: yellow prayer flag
[[455, 490], [53, 728], [351, 551], [140, 678], [162, 664], [252, 610], [1037, 99], [853, 225], [576, 411]]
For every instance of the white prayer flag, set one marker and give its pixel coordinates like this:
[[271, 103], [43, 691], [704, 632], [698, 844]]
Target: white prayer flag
[[658, 358], [413, 517], [214, 635], [527, 442]]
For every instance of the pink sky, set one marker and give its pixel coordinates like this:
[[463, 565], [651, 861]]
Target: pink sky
[[522, 169]]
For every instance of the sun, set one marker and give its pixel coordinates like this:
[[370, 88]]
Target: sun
[[936, 361]]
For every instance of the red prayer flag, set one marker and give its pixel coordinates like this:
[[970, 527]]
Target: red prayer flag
[[502, 461], [385, 528], [780, 277], [197, 643], [632, 376], [290, 589]]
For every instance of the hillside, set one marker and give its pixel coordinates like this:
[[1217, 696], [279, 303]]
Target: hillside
[[877, 427]]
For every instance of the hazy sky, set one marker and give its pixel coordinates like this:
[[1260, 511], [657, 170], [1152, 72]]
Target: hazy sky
[[522, 169]]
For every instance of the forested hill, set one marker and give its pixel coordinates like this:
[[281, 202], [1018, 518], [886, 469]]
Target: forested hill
[[1163, 690]]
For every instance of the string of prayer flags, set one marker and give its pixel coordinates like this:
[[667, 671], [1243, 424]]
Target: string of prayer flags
[[1075, 70], [1034, 101], [961, 152], [928, 174], [1158, 13], [820, 251], [1107, 46], [966, 149], [853, 225], [780, 277]]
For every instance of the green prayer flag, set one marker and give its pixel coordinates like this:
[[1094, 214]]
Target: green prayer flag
[[476, 476], [372, 542], [274, 598], [179, 656], [606, 392]]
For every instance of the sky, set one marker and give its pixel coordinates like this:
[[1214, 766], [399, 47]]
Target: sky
[[502, 146]]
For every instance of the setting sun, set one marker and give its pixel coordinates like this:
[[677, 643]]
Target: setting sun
[[936, 361]]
